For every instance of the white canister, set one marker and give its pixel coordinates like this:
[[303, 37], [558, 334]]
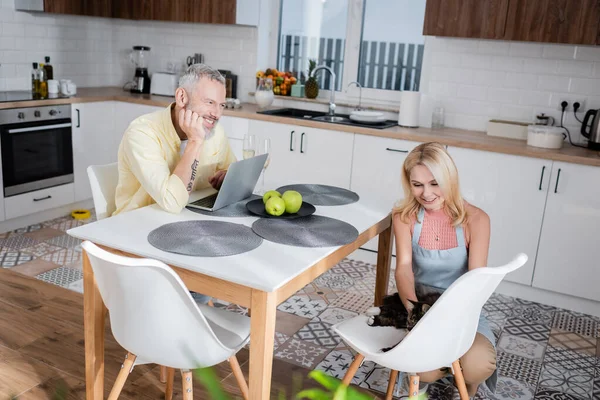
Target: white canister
[[547, 137], [53, 86], [409, 109]]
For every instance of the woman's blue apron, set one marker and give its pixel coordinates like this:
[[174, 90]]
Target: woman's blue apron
[[438, 269]]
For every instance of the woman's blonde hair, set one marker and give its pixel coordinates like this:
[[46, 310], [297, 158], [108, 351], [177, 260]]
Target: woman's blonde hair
[[435, 157]]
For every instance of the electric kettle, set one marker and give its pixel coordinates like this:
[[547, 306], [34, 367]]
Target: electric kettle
[[592, 133]]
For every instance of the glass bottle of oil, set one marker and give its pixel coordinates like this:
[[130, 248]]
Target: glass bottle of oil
[[43, 82], [49, 69], [35, 80]]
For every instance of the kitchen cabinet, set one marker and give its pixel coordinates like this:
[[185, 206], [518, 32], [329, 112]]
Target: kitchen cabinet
[[545, 21], [92, 8], [93, 141], [553, 21], [376, 167], [305, 155], [485, 19], [512, 191], [124, 114], [567, 260]]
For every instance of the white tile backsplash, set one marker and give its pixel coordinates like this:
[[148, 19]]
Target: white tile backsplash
[[479, 80], [94, 51]]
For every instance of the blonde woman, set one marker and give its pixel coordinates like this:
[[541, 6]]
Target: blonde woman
[[439, 237]]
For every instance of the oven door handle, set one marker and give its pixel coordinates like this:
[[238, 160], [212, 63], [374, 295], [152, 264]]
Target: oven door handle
[[40, 128]]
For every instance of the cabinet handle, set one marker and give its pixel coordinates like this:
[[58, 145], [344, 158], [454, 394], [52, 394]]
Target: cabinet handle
[[302, 142], [78, 118], [396, 150], [291, 140], [557, 178], [542, 177], [43, 198]]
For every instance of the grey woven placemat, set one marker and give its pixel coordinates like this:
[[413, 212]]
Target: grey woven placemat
[[204, 238], [312, 231], [322, 195], [233, 210]]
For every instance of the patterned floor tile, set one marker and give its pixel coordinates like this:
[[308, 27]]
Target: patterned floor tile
[[289, 323], [335, 281], [280, 338], [596, 389], [301, 353], [442, 391], [519, 368], [576, 383], [63, 257], [499, 304], [353, 301], [61, 276], [549, 394], [533, 314], [334, 315], [303, 306], [17, 242], [379, 378], [63, 224], [531, 331], [34, 267], [56, 221], [337, 363], [572, 341], [44, 233], [571, 323], [319, 333], [76, 286], [569, 359], [237, 309], [521, 347], [10, 259], [353, 268], [41, 249], [314, 292], [507, 388], [66, 241], [30, 228]]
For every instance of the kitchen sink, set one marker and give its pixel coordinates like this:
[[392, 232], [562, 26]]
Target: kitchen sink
[[342, 119]]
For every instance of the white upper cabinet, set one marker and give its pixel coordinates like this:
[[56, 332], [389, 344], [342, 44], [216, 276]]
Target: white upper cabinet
[[512, 191], [568, 254], [247, 12]]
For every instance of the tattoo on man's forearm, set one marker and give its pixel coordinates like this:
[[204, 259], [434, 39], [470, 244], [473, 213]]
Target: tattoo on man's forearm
[[193, 178]]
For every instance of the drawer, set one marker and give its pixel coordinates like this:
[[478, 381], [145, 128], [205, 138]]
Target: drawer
[[39, 200]]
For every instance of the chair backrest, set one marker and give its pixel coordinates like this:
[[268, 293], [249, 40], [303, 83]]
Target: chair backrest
[[448, 329], [152, 314], [103, 180]]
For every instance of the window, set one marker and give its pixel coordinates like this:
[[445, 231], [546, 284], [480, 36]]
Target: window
[[392, 44], [378, 43], [313, 29]]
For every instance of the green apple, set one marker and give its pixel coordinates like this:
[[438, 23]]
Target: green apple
[[270, 194], [293, 201], [275, 206]]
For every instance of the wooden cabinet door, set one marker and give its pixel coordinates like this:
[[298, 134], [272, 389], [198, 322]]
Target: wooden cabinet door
[[206, 11], [554, 21], [97, 8], [64, 6], [484, 19]]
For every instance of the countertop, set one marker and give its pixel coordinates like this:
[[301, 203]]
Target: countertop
[[449, 136]]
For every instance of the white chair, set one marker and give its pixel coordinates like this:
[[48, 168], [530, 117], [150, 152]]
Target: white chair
[[439, 339], [153, 317], [103, 181]]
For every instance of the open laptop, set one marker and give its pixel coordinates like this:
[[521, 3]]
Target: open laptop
[[238, 184]]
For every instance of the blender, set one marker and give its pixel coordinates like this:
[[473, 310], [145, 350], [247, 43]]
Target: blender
[[139, 56]]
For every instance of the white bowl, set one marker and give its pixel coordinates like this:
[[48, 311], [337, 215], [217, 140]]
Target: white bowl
[[547, 137], [367, 120], [367, 114]]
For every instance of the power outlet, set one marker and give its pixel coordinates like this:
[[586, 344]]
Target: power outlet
[[570, 104]]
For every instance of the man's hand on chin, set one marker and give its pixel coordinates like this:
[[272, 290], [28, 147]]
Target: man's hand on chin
[[217, 179]]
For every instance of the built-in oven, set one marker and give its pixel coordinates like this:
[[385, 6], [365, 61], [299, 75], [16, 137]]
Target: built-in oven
[[36, 148]]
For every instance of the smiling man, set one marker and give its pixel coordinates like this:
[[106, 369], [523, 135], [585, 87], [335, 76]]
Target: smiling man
[[167, 154]]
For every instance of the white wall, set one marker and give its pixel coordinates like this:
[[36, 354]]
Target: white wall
[[93, 51], [478, 80]]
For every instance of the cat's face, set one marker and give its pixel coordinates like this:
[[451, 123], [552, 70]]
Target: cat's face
[[416, 311]]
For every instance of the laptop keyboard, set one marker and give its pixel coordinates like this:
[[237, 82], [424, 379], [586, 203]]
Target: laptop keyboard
[[207, 202]]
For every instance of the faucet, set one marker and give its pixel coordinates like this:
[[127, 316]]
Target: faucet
[[331, 87], [359, 93]]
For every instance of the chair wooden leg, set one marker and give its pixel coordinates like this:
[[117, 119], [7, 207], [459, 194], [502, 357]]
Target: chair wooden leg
[[188, 386], [391, 385], [239, 376], [459, 379], [163, 374], [170, 379], [413, 386], [126, 368], [352, 370], [210, 303]]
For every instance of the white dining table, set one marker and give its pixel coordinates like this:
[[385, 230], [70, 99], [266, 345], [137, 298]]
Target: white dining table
[[259, 279]]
